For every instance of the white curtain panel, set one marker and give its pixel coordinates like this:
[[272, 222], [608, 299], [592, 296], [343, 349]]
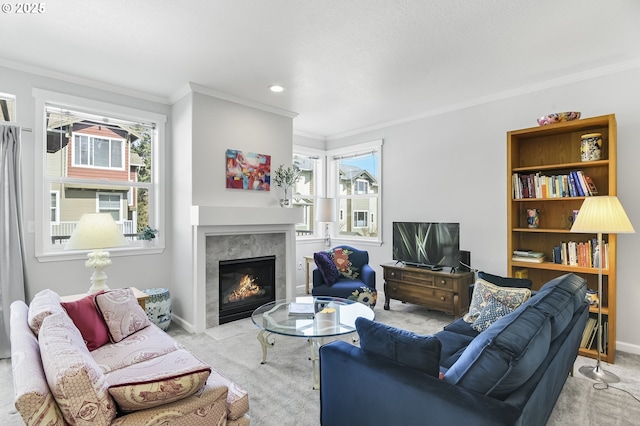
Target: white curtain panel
[[11, 243]]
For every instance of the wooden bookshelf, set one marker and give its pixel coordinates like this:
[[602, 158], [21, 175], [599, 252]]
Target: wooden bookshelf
[[555, 150]]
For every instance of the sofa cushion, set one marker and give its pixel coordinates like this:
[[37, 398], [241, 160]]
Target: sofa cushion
[[150, 342], [505, 355], [44, 303], [76, 382], [511, 297], [85, 316], [160, 380], [492, 311], [452, 345], [122, 313], [326, 267], [573, 284], [506, 281], [237, 399], [419, 352]]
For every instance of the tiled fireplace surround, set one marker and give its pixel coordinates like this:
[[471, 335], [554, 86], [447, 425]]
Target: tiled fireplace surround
[[223, 233]]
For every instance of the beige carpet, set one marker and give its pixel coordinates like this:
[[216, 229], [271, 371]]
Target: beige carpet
[[281, 391]]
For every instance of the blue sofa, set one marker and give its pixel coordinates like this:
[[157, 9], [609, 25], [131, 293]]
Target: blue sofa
[[509, 374]]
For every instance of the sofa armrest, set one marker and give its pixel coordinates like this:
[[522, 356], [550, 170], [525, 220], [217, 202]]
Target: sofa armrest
[[368, 275], [349, 377]]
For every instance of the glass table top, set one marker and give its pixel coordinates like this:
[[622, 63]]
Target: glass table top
[[311, 316]]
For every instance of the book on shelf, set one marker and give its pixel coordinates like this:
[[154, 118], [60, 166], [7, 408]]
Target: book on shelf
[[537, 185], [588, 329], [528, 259], [528, 253], [305, 309]]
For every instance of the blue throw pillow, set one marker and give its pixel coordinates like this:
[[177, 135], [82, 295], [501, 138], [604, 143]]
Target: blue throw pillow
[[404, 347], [327, 268], [506, 281]]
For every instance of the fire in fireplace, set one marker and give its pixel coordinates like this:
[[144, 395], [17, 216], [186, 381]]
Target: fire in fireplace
[[245, 284]]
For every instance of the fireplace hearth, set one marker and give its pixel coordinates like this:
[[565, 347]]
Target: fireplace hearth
[[245, 284]]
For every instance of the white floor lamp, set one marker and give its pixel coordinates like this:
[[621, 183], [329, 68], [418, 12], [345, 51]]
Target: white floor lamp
[[326, 212], [96, 231], [601, 215]]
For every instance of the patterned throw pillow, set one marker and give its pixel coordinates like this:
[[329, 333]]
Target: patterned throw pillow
[[345, 267], [492, 311], [122, 313], [365, 295], [326, 267], [483, 290]]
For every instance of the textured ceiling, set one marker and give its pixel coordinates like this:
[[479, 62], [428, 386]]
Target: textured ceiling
[[346, 65]]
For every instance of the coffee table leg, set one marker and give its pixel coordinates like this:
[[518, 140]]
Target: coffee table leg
[[266, 339], [315, 344]]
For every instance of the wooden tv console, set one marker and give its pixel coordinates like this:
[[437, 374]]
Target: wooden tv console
[[438, 290]]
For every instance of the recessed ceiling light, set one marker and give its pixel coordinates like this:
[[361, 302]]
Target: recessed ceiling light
[[276, 88]]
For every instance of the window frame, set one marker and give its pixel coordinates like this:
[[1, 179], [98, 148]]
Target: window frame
[[44, 250], [333, 187]]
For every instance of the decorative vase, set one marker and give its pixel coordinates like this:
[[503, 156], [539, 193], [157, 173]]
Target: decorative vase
[[158, 307], [533, 218], [146, 243], [286, 201], [591, 147]]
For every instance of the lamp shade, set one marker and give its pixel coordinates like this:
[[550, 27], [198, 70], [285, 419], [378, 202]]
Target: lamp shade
[[602, 214], [96, 231], [326, 210]]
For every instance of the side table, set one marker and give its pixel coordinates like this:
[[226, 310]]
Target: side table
[[141, 296], [308, 261]]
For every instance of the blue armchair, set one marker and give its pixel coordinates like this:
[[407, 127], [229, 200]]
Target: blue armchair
[[356, 279]]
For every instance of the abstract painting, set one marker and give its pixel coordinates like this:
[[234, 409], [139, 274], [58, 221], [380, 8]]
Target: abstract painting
[[248, 170]]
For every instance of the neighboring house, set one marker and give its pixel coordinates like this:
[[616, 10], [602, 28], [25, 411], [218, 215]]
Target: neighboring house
[[91, 161], [356, 215]]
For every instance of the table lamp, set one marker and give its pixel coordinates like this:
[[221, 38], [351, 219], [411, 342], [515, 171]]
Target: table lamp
[[600, 215], [96, 231], [326, 212]]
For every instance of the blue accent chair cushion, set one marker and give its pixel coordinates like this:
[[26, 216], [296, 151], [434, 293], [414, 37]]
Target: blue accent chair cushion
[[404, 347], [327, 268]]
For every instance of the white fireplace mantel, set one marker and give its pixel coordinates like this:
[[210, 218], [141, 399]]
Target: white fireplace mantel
[[219, 220], [234, 216]]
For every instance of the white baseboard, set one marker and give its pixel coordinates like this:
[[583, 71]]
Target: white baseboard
[[182, 323], [628, 347]]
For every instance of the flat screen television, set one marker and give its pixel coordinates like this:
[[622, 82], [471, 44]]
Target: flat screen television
[[426, 244]]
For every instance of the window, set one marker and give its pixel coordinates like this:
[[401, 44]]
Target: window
[[97, 157], [7, 107], [355, 180], [110, 203], [94, 151], [55, 211], [308, 188]]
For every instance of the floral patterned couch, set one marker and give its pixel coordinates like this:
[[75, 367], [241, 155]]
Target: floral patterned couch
[[100, 361]]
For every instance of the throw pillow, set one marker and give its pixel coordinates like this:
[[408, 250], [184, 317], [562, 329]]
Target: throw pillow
[[122, 313], [509, 296], [506, 281], [366, 295], [491, 312], [404, 347], [343, 264], [327, 268], [85, 316]]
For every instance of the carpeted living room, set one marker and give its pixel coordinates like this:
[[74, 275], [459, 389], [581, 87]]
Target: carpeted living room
[[364, 212]]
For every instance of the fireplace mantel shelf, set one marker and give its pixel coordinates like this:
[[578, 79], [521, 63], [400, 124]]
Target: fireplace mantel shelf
[[230, 216]]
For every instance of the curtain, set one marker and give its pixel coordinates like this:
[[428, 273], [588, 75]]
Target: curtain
[[11, 242]]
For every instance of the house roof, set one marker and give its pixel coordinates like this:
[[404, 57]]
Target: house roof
[[346, 65]]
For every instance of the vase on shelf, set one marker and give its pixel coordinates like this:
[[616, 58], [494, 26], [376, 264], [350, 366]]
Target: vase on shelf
[[286, 201]]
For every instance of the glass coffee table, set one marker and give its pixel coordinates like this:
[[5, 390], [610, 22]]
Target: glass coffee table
[[312, 317]]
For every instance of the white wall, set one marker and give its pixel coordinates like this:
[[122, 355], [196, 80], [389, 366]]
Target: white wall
[[206, 126], [452, 167], [70, 277]]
